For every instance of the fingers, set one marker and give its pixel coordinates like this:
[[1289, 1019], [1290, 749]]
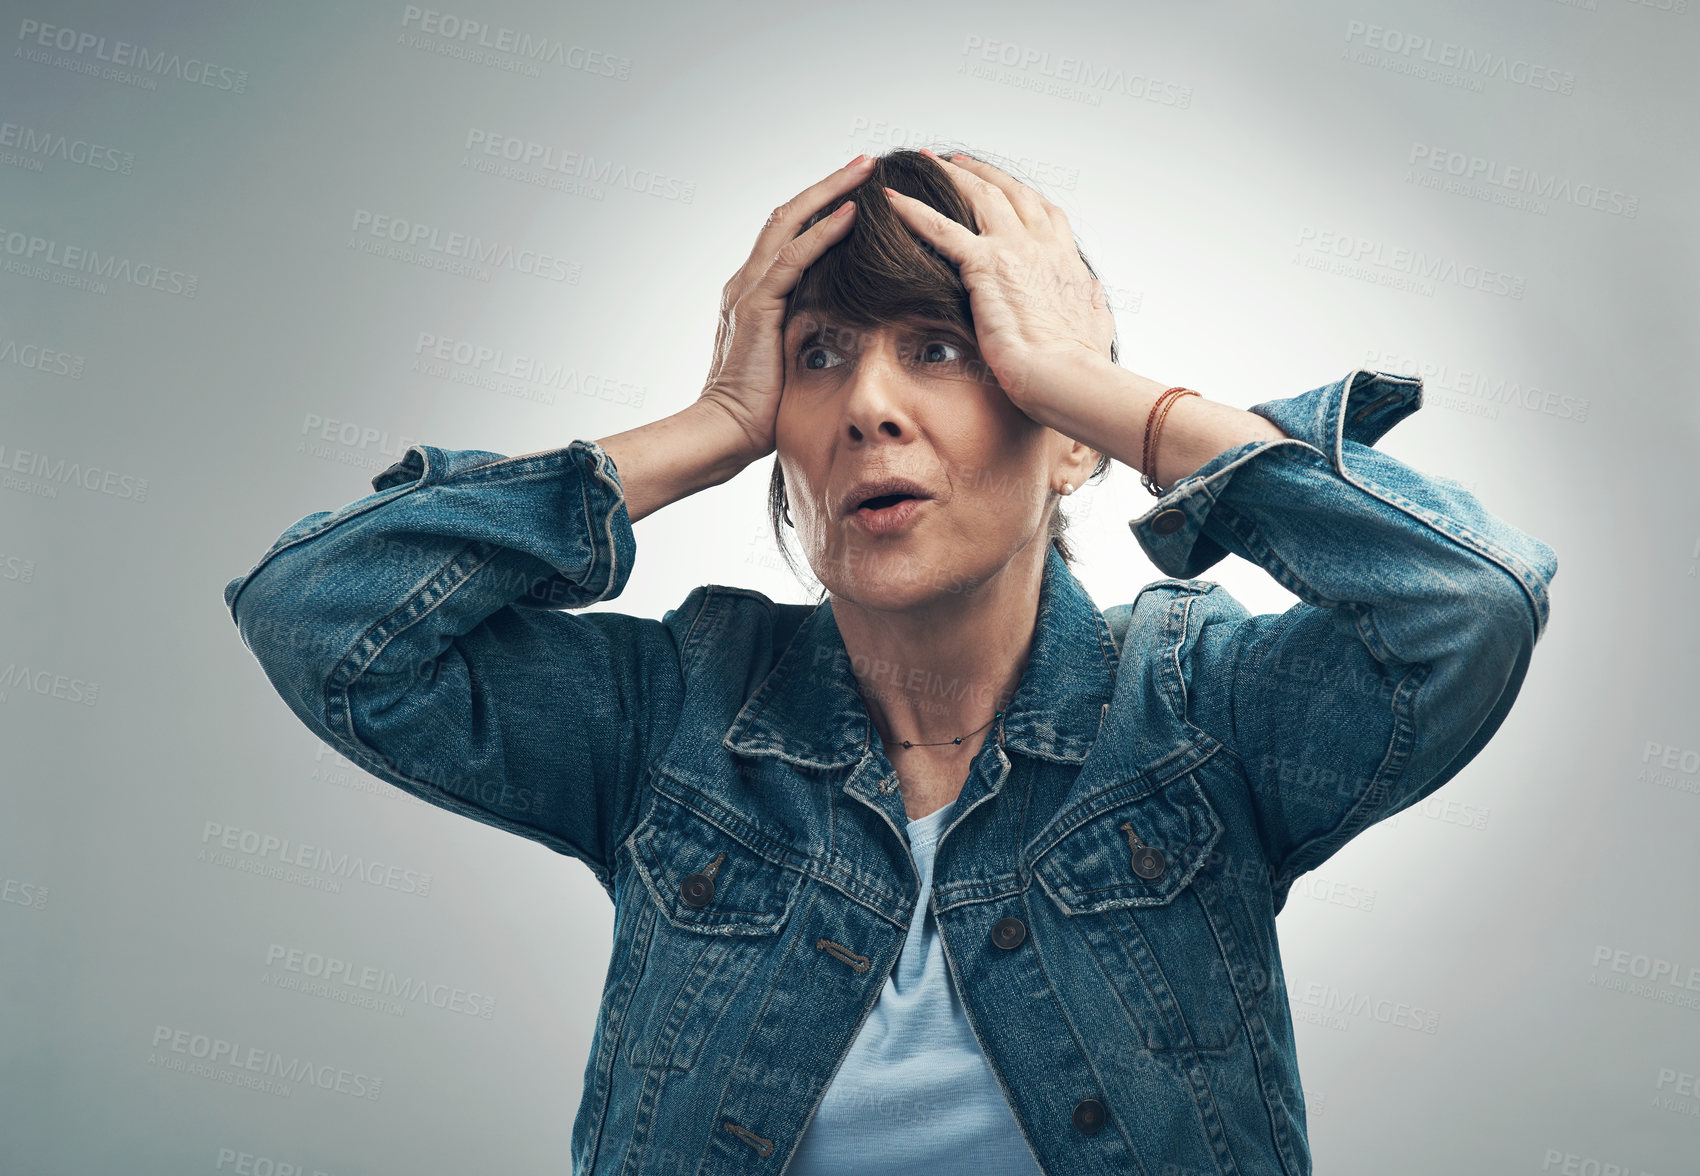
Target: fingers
[[981, 182], [783, 222], [798, 253], [957, 242]]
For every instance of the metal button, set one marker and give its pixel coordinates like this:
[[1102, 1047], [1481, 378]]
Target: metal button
[[697, 890], [1008, 933], [1089, 1116], [1148, 862], [1168, 522]]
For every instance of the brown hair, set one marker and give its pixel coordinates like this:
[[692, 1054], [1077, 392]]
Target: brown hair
[[880, 274]]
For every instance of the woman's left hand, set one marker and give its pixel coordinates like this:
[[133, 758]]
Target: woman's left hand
[[1038, 311]]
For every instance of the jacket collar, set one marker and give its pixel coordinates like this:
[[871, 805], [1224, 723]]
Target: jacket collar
[[809, 712]]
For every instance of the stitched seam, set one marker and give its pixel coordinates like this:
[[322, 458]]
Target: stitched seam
[[1386, 776]]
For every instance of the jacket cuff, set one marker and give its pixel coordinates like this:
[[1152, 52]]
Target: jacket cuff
[[599, 570], [592, 557], [613, 547], [1360, 407]]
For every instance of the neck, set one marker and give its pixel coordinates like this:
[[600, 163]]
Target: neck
[[941, 669]]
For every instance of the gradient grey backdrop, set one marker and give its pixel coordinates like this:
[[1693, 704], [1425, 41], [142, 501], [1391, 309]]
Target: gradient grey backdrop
[[203, 339]]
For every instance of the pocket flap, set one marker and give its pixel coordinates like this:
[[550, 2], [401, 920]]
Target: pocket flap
[[1093, 865], [704, 879]]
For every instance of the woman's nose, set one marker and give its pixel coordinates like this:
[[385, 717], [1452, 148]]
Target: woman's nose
[[874, 405]]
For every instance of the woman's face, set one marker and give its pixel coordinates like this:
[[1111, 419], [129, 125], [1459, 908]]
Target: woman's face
[[913, 402]]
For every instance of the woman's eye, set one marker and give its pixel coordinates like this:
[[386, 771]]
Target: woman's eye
[[807, 351], [929, 353]]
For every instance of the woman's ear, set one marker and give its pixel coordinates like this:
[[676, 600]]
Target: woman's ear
[[1078, 464]]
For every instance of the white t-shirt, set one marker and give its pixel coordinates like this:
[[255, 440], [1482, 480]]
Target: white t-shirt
[[915, 1093]]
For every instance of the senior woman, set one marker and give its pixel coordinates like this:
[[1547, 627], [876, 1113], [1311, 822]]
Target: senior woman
[[949, 871]]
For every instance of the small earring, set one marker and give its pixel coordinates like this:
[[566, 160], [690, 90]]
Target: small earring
[[1068, 488], [785, 509]]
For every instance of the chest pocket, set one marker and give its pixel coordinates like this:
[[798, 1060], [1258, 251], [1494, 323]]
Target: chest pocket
[[718, 907], [1126, 871]]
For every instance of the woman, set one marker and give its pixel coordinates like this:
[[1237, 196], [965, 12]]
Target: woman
[[949, 871]]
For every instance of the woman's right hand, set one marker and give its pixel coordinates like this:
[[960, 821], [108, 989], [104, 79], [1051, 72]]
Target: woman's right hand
[[748, 371]]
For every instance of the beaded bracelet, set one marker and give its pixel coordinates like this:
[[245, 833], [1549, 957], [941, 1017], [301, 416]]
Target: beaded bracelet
[[1150, 417], [1164, 402]]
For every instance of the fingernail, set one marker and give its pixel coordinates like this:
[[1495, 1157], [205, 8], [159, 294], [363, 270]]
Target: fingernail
[[888, 192], [844, 209], [857, 160]]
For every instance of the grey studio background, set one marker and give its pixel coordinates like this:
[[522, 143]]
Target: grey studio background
[[235, 284]]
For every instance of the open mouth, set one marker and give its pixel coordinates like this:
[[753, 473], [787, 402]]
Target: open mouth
[[887, 514]]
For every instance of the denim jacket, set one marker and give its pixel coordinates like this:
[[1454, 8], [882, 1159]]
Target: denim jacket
[[1106, 889]]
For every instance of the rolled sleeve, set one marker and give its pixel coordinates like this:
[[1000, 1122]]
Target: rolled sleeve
[[1338, 422], [425, 632], [1418, 613], [602, 555]]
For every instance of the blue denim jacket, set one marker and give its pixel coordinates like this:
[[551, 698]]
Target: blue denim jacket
[[1107, 887]]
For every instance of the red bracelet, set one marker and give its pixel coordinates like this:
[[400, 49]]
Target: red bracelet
[[1145, 453], [1164, 402], [1150, 418]]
